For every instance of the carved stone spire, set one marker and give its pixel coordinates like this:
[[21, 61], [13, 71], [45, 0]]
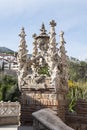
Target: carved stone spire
[[64, 64], [35, 49], [43, 31], [62, 41], [42, 40], [53, 58], [23, 45], [34, 55], [22, 34], [22, 58], [52, 45], [52, 30], [63, 77], [62, 47], [52, 40]]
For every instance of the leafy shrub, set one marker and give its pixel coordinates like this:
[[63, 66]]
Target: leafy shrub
[[77, 90]]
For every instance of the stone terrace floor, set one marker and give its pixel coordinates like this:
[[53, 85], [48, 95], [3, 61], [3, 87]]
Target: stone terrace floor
[[14, 127]]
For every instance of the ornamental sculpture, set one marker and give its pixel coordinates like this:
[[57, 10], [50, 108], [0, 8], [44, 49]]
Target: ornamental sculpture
[[45, 73]]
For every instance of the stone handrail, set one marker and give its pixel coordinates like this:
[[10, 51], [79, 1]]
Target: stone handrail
[[46, 119], [9, 109]]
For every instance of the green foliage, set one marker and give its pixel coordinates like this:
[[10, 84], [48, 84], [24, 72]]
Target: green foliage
[[77, 82], [77, 90], [8, 88], [44, 71], [73, 96], [78, 71]]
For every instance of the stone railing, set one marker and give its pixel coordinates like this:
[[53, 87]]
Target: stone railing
[[47, 119], [9, 112]]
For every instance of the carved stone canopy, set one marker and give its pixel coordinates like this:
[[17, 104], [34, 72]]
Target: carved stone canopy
[[43, 39]]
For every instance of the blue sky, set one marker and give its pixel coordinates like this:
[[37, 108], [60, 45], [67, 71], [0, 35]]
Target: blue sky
[[70, 16]]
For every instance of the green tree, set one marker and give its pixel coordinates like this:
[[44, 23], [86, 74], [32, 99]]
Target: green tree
[[77, 70], [9, 88]]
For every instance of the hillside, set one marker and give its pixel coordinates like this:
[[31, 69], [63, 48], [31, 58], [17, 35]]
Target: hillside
[[5, 50]]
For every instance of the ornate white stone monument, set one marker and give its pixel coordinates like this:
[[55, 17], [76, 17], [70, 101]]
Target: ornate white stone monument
[[43, 78]]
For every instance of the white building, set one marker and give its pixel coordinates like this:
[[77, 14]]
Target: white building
[[8, 61]]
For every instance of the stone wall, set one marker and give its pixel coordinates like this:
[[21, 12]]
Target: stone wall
[[9, 113], [9, 120], [32, 101]]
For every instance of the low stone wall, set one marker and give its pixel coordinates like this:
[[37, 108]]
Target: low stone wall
[[9, 120], [9, 113]]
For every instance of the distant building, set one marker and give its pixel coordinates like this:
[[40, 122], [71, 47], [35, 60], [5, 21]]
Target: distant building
[[8, 62]]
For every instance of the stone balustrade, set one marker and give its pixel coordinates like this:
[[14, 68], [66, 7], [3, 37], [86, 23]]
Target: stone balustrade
[[9, 108], [9, 113]]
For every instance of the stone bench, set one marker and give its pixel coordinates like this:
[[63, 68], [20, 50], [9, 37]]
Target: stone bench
[[46, 119]]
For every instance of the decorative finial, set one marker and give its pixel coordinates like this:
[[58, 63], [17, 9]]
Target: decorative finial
[[61, 37], [34, 35], [43, 31], [22, 34], [61, 33], [52, 23]]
